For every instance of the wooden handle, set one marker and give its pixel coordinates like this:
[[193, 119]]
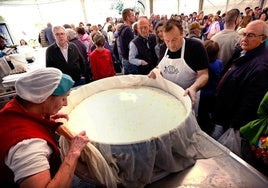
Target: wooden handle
[[64, 131]]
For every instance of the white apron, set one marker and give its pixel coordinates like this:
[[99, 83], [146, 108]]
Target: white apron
[[177, 71]]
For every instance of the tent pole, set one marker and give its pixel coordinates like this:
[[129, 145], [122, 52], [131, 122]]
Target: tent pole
[[84, 10], [200, 7]]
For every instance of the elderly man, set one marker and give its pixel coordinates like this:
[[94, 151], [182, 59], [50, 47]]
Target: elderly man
[[65, 56], [72, 37], [142, 48], [243, 86]]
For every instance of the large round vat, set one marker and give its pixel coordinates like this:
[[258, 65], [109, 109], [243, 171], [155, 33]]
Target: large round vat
[[145, 125]]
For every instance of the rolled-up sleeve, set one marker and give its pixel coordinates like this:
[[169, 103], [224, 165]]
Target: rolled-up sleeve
[[28, 157]]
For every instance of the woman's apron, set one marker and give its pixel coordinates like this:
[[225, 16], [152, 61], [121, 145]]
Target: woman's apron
[[177, 71]]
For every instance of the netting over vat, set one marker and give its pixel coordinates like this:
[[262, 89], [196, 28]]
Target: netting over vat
[[145, 125]]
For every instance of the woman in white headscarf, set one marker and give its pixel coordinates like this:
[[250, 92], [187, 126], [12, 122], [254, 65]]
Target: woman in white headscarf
[[29, 154]]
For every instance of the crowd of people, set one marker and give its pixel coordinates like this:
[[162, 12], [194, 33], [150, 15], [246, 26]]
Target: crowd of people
[[220, 60], [201, 53]]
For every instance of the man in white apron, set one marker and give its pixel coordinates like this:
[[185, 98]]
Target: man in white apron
[[184, 61]]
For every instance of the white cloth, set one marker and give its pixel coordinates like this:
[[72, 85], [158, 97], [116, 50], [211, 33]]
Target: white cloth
[[38, 85], [28, 157], [139, 161]]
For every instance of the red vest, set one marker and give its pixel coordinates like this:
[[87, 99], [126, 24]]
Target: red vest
[[17, 125]]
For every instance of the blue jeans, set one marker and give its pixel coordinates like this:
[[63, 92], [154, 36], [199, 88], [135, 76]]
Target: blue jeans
[[129, 68], [79, 183]]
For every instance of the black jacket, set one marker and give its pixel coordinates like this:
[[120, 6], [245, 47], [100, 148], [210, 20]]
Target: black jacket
[[243, 88], [75, 67], [123, 37], [145, 53]]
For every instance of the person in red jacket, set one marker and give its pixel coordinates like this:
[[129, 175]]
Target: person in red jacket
[[101, 59], [29, 153]]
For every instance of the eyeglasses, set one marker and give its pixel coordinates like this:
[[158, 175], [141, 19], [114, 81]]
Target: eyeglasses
[[251, 35], [59, 34]]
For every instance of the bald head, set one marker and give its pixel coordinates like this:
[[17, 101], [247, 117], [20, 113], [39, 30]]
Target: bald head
[[260, 27], [143, 26], [254, 35]]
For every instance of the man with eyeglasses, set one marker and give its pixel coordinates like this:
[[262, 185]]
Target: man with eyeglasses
[[65, 56], [245, 83]]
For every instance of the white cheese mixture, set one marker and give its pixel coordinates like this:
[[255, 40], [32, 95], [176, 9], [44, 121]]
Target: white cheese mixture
[[129, 115]]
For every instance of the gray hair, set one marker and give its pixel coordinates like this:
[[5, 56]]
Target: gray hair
[[56, 28], [71, 33]]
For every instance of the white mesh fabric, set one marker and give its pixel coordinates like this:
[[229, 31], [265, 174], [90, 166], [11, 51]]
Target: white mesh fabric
[[38, 85], [141, 162]]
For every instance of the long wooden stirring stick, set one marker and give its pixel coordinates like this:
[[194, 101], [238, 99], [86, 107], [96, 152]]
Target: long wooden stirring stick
[[62, 130]]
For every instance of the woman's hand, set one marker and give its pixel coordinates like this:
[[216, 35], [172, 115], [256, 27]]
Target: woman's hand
[[78, 143], [64, 176], [58, 116]]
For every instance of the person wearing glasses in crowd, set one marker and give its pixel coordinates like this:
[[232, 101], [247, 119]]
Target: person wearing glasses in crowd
[[65, 56], [244, 82]]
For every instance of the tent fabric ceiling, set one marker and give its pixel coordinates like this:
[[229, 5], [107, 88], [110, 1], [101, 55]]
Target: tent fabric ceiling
[[27, 2]]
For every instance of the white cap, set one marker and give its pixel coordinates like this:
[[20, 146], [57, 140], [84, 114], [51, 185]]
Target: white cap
[[38, 85]]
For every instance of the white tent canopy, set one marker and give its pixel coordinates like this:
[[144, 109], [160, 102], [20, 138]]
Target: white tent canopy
[[26, 18]]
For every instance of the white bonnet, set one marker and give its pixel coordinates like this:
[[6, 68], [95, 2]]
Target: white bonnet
[[38, 85]]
